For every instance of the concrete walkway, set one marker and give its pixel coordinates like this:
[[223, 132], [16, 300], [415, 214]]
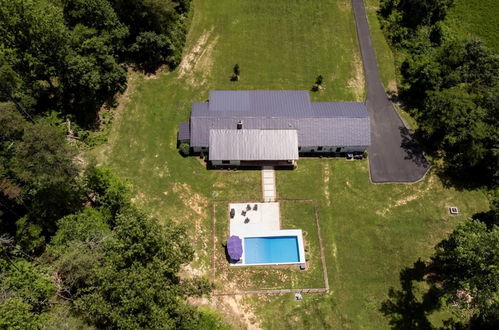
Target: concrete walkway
[[268, 184], [394, 156]]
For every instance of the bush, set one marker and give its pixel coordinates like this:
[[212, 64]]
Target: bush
[[184, 149]]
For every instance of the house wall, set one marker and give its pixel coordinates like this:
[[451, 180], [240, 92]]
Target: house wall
[[326, 149], [197, 150], [219, 163]]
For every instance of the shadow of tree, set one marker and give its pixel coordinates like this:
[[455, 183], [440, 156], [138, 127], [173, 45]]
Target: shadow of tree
[[404, 308], [412, 147]]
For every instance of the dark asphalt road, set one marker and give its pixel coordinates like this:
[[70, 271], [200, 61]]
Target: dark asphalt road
[[393, 155]]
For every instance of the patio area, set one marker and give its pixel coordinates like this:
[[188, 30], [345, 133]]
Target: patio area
[[249, 219]]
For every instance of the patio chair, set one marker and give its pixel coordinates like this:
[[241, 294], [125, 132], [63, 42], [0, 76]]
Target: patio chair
[[255, 207], [247, 220]]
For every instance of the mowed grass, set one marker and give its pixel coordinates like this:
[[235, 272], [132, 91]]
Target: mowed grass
[[294, 215], [476, 19], [278, 45], [368, 235], [371, 232]]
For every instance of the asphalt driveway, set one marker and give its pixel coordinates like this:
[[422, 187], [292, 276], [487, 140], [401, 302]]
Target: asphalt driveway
[[394, 156]]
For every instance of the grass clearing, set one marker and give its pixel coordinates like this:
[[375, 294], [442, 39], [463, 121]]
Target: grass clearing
[[475, 19], [370, 232]]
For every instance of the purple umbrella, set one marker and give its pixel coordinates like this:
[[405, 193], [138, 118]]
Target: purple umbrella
[[235, 247]]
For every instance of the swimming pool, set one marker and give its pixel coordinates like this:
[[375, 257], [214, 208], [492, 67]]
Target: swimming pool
[[271, 250]]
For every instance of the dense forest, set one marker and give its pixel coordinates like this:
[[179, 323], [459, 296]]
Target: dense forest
[[69, 56], [75, 253], [450, 85]]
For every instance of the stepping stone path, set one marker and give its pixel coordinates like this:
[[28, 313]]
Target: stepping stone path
[[268, 184]]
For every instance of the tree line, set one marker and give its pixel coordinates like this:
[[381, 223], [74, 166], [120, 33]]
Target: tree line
[[75, 252], [449, 85], [69, 56]]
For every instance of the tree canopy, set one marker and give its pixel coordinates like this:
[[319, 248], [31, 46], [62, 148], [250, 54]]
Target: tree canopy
[[69, 56], [449, 85]]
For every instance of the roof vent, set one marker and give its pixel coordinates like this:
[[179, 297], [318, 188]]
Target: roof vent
[[240, 124]]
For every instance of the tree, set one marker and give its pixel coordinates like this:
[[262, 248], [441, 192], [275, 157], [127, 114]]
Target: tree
[[33, 39], [318, 83], [467, 263], [452, 121], [318, 80], [123, 272], [91, 74], [156, 23], [98, 15], [184, 149], [412, 13], [42, 165], [151, 49], [25, 291], [235, 73], [106, 190], [15, 313]]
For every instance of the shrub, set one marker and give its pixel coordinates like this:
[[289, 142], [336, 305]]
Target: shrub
[[184, 149]]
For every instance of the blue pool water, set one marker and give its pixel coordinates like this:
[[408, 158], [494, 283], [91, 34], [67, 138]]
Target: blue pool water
[[267, 250]]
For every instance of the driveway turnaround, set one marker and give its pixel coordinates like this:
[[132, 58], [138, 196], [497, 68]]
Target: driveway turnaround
[[394, 156]]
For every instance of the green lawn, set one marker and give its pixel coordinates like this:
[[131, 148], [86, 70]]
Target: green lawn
[[294, 215], [476, 19], [370, 232]]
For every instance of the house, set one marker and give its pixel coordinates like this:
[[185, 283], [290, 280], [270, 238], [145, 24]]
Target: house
[[255, 128]]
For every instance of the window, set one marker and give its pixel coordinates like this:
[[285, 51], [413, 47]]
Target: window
[[226, 162], [319, 148]]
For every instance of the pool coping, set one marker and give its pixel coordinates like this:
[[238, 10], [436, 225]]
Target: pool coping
[[298, 233]]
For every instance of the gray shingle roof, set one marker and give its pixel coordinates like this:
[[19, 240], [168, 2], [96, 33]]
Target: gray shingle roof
[[253, 144], [339, 109], [260, 103], [184, 131], [318, 123]]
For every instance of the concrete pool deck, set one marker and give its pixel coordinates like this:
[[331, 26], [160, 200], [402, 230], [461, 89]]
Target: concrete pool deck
[[266, 218]]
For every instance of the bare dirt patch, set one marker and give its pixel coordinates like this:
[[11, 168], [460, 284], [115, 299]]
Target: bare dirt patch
[[197, 62], [345, 5], [392, 87], [325, 178], [194, 201], [402, 201], [357, 83]]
